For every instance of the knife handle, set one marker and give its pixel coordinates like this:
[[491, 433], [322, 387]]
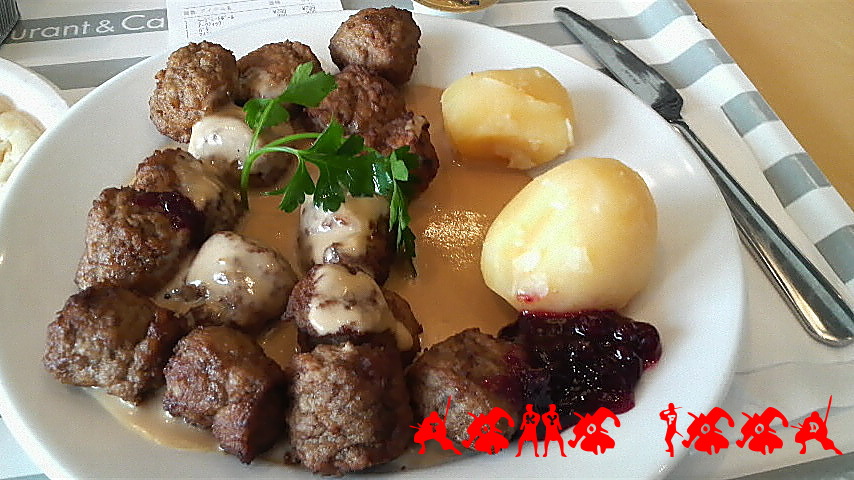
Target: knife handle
[[819, 306]]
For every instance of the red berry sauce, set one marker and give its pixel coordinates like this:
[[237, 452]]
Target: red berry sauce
[[178, 208], [585, 360]]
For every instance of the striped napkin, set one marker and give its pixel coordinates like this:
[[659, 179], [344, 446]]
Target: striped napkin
[[9, 16], [780, 365]]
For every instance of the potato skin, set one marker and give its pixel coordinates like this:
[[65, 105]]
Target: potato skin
[[531, 124], [581, 236]]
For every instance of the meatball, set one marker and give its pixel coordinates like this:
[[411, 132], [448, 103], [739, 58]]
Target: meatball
[[174, 170], [112, 338], [479, 372], [384, 40], [222, 138], [219, 378], [137, 239], [239, 282], [402, 311], [356, 234], [350, 408], [336, 303], [413, 131], [198, 78], [362, 101], [267, 71]]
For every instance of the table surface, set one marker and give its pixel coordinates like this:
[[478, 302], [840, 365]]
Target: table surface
[[800, 56]]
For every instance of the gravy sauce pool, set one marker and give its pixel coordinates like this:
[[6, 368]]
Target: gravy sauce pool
[[449, 219]]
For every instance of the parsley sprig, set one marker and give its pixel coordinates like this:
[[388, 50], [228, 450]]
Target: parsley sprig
[[345, 165]]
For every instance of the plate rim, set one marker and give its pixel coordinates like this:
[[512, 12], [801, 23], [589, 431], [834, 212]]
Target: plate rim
[[29, 440], [52, 106]]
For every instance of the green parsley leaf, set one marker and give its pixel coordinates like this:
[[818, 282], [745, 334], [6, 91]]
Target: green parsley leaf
[[263, 113], [383, 179], [306, 88], [254, 109], [398, 167], [293, 194], [344, 164], [330, 140], [358, 176]]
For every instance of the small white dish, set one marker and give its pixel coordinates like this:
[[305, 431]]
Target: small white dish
[[32, 94], [471, 10]]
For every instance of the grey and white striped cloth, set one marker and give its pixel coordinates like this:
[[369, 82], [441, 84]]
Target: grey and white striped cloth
[[9, 15], [79, 44], [78, 52]]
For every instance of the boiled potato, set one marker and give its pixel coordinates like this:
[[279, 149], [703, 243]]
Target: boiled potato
[[519, 118], [580, 236]]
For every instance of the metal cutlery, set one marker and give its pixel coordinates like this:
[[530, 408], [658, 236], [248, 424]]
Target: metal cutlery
[[819, 307]]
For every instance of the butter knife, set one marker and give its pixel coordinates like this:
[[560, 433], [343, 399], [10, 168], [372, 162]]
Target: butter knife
[[819, 307]]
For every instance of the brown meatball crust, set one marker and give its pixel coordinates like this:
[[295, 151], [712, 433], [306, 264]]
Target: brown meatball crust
[[219, 378], [384, 40], [478, 371], [350, 408], [299, 305], [266, 71], [379, 252], [237, 299], [137, 239], [112, 338], [175, 170], [403, 313], [363, 101], [413, 131], [368, 105], [198, 79]]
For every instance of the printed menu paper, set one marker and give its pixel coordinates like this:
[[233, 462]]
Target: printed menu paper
[[194, 20]]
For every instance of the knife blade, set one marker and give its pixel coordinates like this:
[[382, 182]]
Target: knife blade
[[816, 303]]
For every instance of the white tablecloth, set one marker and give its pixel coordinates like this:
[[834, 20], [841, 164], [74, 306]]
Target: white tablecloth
[[779, 366]]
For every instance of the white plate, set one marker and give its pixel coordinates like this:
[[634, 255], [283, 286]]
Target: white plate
[[696, 298], [31, 93]]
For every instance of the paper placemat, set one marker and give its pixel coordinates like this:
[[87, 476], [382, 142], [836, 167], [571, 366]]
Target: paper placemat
[[79, 45], [194, 20]]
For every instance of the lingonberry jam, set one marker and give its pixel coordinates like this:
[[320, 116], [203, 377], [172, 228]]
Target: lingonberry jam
[[180, 210], [583, 361]]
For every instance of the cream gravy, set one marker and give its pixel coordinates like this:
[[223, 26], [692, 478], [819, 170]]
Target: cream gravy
[[222, 138], [261, 82], [150, 420], [247, 276], [353, 300], [449, 219], [200, 186]]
